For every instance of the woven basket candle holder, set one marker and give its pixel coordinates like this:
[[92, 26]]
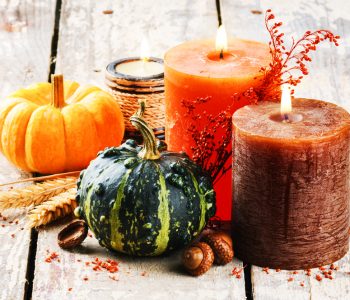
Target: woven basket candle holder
[[129, 89]]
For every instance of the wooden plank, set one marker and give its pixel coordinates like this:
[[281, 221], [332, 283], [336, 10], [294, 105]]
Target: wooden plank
[[277, 285], [329, 76], [328, 80], [25, 34], [88, 41], [14, 241], [147, 278]]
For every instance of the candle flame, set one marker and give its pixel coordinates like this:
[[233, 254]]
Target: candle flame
[[286, 101], [145, 49], [221, 39]]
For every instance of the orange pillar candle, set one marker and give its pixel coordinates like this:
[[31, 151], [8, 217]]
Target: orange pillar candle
[[291, 184], [195, 70]]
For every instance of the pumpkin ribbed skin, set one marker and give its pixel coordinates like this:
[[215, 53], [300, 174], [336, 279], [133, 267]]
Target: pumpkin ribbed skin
[[38, 137], [144, 207]]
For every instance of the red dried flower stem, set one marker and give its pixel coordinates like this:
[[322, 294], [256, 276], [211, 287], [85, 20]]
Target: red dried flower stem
[[288, 66], [286, 62]]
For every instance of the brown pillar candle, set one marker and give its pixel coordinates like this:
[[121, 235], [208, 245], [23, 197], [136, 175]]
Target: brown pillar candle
[[291, 184]]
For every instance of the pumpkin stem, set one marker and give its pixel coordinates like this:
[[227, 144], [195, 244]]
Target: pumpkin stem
[[57, 93], [149, 150]]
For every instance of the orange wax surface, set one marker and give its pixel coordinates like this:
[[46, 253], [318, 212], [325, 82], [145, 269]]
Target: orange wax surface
[[194, 70]]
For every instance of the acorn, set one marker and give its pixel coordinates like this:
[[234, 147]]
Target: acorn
[[198, 258], [221, 243]]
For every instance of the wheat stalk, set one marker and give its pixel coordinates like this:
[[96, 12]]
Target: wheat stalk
[[36, 193], [42, 178], [56, 207]]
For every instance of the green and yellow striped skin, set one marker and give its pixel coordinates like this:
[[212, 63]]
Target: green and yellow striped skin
[[144, 207]]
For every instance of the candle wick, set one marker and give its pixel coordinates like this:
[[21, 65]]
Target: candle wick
[[286, 118], [221, 53]]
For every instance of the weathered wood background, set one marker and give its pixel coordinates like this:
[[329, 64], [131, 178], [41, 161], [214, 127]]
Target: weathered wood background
[[85, 39]]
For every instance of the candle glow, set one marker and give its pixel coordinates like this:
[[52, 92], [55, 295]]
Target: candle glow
[[221, 40], [286, 101], [145, 50]]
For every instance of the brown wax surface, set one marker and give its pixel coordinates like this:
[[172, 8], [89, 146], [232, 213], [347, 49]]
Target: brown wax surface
[[319, 119], [291, 186]]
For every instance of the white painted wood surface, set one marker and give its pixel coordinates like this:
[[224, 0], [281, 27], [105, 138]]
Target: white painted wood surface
[[14, 241], [329, 75], [137, 278], [25, 35], [90, 39]]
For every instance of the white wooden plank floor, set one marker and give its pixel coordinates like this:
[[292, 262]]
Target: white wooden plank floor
[[89, 39], [25, 35]]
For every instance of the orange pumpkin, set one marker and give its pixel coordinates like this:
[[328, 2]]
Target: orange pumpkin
[[47, 129]]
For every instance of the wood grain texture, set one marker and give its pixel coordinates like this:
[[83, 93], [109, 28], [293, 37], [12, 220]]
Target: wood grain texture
[[89, 39], [328, 80], [14, 242], [275, 285], [329, 75], [25, 34], [138, 278]]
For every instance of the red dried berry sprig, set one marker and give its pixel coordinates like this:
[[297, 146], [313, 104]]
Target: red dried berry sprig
[[212, 148], [288, 66], [210, 151]]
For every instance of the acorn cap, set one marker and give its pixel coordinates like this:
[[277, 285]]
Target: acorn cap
[[72, 235], [221, 243], [198, 258]]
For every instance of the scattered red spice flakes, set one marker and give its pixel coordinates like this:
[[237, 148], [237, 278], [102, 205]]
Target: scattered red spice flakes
[[332, 267], [290, 279], [85, 278], [108, 12], [90, 235], [308, 272], [16, 222], [97, 268], [256, 12], [318, 277], [237, 272], [22, 228], [113, 277], [69, 289], [78, 260], [322, 268], [295, 272], [278, 270], [143, 273], [51, 256], [302, 284], [110, 265], [3, 225], [266, 270], [12, 235], [4, 218]]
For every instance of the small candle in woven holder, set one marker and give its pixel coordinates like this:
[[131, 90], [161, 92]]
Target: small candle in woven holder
[[134, 78]]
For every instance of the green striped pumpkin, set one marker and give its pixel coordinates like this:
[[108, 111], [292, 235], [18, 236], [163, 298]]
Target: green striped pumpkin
[[142, 202]]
